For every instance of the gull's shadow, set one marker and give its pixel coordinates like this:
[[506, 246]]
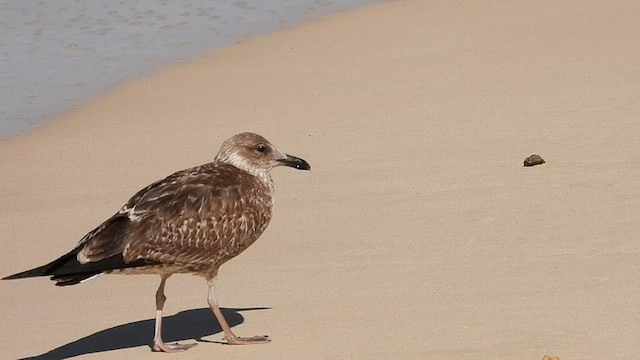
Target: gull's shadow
[[185, 325]]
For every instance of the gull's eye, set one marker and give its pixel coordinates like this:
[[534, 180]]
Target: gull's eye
[[262, 148]]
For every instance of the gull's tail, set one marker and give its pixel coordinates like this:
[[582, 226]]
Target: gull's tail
[[67, 270]]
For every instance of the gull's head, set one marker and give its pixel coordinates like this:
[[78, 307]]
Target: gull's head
[[254, 154]]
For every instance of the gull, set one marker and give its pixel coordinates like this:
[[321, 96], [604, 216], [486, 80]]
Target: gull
[[192, 221]]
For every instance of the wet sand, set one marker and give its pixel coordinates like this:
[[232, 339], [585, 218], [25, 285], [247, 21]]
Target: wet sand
[[418, 233], [57, 54]]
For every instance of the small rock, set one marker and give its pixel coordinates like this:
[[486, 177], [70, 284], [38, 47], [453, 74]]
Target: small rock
[[533, 160]]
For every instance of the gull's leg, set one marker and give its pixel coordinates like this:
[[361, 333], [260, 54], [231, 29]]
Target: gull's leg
[[158, 344], [231, 338]]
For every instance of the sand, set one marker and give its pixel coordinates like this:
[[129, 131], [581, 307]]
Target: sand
[[55, 55], [417, 235]]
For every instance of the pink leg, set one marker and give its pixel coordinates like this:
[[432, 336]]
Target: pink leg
[[158, 344], [231, 338]]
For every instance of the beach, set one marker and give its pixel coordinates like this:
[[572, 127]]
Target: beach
[[57, 54], [418, 234]]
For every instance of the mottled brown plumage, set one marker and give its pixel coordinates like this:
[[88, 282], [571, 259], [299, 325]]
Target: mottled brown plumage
[[192, 221]]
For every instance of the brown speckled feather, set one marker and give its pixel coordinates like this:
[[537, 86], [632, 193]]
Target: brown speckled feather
[[195, 219], [206, 218]]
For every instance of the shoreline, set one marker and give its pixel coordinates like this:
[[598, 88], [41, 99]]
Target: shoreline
[[57, 56]]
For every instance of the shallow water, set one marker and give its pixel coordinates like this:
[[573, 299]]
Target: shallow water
[[56, 53]]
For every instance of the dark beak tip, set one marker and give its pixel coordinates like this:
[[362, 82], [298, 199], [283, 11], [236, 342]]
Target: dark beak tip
[[296, 162], [303, 166]]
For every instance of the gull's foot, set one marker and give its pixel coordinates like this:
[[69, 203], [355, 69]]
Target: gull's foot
[[169, 348], [234, 340]]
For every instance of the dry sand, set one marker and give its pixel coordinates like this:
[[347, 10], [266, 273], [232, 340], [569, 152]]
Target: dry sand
[[418, 234]]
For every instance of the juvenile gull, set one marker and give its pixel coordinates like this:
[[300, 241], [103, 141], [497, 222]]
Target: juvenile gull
[[192, 221]]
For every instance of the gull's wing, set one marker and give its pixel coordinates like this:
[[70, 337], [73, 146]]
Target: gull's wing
[[199, 219]]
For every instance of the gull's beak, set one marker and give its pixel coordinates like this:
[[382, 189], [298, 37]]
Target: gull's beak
[[295, 162]]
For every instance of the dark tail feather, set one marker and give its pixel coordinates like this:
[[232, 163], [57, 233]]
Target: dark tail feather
[[44, 270], [61, 279], [66, 270], [39, 271]]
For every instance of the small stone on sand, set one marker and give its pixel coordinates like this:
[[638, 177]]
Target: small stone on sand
[[533, 160]]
